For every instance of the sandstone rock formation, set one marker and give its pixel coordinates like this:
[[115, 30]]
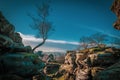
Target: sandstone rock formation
[[51, 68], [89, 64], [116, 9], [10, 40], [111, 73], [22, 64], [17, 62]]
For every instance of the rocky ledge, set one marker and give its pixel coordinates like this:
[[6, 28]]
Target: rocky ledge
[[17, 62], [91, 64]]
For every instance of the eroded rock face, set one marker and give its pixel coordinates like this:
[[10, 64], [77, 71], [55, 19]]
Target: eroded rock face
[[16, 37], [24, 64], [75, 66], [116, 9], [84, 66], [111, 73], [82, 73], [105, 59], [51, 68], [69, 63], [5, 41], [10, 41], [17, 62]]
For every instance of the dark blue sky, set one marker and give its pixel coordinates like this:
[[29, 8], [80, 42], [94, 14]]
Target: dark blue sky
[[71, 18]]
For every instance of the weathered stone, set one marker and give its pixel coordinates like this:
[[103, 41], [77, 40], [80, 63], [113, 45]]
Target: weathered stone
[[69, 63], [80, 57], [51, 68], [102, 59], [111, 73], [70, 58], [67, 68], [16, 60], [5, 41], [95, 70], [7, 44], [86, 64], [82, 74], [109, 50], [16, 37], [23, 64], [50, 58], [7, 29]]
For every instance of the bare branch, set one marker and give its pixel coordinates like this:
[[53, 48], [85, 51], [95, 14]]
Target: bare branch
[[41, 23]]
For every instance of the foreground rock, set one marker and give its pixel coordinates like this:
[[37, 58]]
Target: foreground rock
[[22, 64], [17, 62], [51, 68], [90, 64], [111, 73]]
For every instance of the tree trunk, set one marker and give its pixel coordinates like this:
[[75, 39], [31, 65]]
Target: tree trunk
[[39, 45]]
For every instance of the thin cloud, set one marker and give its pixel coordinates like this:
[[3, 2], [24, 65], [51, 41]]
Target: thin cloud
[[34, 39], [50, 45]]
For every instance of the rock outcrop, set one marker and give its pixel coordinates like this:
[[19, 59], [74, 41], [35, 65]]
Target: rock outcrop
[[17, 62], [22, 64], [10, 41], [89, 64], [116, 9], [111, 73]]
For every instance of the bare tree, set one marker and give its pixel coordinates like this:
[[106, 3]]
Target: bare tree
[[115, 42], [41, 23], [84, 42], [98, 38]]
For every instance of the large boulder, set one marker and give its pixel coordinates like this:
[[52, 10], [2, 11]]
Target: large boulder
[[16, 37], [17, 62], [69, 63], [7, 29], [51, 68], [22, 64], [82, 74], [95, 70], [111, 73], [70, 58], [5, 41], [86, 64], [8, 44], [102, 59]]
